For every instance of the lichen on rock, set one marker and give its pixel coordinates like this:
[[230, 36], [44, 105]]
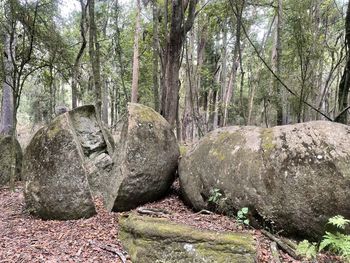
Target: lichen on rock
[[146, 161], [66, 165], [293, 176], [150, 240]]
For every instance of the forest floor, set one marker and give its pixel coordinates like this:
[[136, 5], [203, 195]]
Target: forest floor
[[24, 238]]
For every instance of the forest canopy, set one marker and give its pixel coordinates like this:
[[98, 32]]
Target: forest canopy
[[201, 64]]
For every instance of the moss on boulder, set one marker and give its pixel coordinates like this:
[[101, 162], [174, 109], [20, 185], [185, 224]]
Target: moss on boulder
[[295, 176], [152, 240], [6, 159], [67, 164], [146, 162]]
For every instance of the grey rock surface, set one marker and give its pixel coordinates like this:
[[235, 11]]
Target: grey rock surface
[[295, 177], [150, 240], [146, 161], [67, 165]]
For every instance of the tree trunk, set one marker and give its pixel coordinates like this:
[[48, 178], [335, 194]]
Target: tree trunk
[[220, 96], [178, 28], [105, 92], [188, 114], [155, 56], [344, 84], [236, 52], [136, 62], [94, 52], [76, 65], [276, 66], [7, 105]]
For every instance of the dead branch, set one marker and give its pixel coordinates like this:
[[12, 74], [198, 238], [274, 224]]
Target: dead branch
[[111, 249], [275, 253], [204, 212], [286, 248], [151, 211]]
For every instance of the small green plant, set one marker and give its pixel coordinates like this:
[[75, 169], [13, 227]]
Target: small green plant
[[337, 242], [338, 221], [307, 249], [242, 216], [215, 196]]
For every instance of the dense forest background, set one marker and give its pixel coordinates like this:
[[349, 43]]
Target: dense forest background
[[201, 64]]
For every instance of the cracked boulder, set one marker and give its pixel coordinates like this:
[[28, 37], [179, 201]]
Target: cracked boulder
[[146, 161], [6, 159], [294, 177], [67, 166]]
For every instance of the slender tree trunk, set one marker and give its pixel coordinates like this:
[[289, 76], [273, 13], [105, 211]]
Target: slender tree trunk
[[164, 58], [216, 103], [236, 53], [344, 85], [220, 96], [105, 92], [136, 62], [79, 55], [94, 52], [188, 114], [155, 55], [276, 65], [7, 105]]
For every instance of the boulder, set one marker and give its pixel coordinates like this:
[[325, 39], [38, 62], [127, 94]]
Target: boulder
[[146, 159], [294, 177], [67, 165], [149, 240], [6, 159]]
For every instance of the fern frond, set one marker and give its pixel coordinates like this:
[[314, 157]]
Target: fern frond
[[338, 243], [339, 221], [306, 249]]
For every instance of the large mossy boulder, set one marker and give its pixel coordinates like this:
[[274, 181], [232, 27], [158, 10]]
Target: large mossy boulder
[[149, 240], [146, 159], [294, 176], [6, 159], [67, 165]]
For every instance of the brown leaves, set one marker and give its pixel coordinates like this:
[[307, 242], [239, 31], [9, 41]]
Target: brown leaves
[[24, 238]]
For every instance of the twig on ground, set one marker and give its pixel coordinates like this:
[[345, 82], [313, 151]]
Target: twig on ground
[[275, 253], [204, 212], [286, 248], [111, 249], [151, 211]]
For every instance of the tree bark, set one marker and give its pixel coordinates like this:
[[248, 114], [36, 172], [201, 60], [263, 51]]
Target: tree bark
[[188, 114], [75, 77], [94, 52], [236, 52], [220, 96], [276, 66], [344, 84], [178, 29], [136, 62], [7, 105], [155, 11]]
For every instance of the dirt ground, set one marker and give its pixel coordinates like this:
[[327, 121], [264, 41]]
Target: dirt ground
[[24, 238]]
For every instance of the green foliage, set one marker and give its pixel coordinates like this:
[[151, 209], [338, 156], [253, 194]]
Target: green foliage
[[339, 221], [215, 196], [307, 249], [242, 216], [337, 242]]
